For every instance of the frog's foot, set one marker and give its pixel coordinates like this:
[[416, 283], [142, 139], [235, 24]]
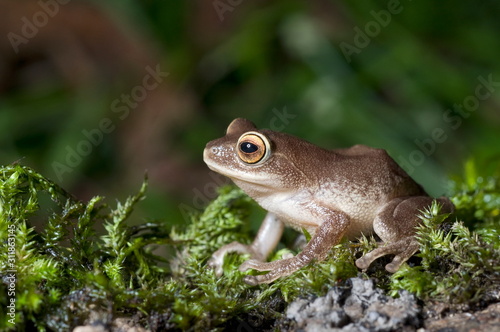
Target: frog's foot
[[217, 259], [403, 249], [278, 269]]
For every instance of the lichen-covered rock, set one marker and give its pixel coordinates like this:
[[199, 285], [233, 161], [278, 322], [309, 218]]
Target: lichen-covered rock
[[358, 306]]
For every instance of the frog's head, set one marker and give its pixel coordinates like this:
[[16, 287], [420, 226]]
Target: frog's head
[[258, 160]]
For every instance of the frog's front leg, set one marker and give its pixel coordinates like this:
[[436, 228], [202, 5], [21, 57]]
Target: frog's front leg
[[266, 240], [328, 234]]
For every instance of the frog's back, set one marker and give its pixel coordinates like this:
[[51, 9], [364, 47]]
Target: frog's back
[[360, 180], [374, 171]]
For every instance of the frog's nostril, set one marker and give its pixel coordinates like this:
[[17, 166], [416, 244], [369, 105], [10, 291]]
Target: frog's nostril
[[216, 150]]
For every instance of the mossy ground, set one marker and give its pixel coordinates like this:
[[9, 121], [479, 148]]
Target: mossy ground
[[65, 272]]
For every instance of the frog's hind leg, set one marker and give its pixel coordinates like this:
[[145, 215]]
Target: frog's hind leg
[[395, 225]]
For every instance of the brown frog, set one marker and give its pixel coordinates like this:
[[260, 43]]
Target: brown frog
[[330, 193]]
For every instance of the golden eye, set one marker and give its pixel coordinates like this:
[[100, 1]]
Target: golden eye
[[253, 147]]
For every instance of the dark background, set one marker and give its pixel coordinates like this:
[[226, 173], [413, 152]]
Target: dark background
[[78, 101]]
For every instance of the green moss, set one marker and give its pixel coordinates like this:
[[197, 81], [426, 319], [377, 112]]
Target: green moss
[[477, 198], [67, 272], [63, 255]]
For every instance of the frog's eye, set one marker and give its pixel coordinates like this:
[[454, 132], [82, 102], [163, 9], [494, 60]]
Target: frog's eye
[[253, 148]]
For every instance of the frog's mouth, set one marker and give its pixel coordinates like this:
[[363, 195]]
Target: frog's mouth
[[233, 172]]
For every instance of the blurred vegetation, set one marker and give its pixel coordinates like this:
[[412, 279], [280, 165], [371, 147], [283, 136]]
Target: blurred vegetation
[[257, 59]]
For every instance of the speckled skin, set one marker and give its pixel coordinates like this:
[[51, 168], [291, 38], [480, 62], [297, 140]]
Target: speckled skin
[[330, 193]]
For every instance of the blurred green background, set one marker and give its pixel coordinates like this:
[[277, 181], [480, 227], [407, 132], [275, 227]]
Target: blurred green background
[[92, 95]]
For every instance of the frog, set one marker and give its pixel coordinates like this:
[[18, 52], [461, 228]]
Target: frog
[[330, 194]]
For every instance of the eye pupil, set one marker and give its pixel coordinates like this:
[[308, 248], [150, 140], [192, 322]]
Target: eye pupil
[[253, 148], [248, 147]]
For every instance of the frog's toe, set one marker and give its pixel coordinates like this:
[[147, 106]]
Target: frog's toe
[[403, 250], [396, 263], [247, 265], [363, 263], [251, 280], [216, 264], [393, 267], [402, 257], [263, 278], [255, 265]]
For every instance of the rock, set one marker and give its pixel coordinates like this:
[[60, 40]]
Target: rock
[[121, 324], [90, 328], [359, 306], [487, 320]]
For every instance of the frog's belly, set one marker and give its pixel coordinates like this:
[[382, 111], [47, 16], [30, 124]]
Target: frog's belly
[[362, 217], [300, 212]]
